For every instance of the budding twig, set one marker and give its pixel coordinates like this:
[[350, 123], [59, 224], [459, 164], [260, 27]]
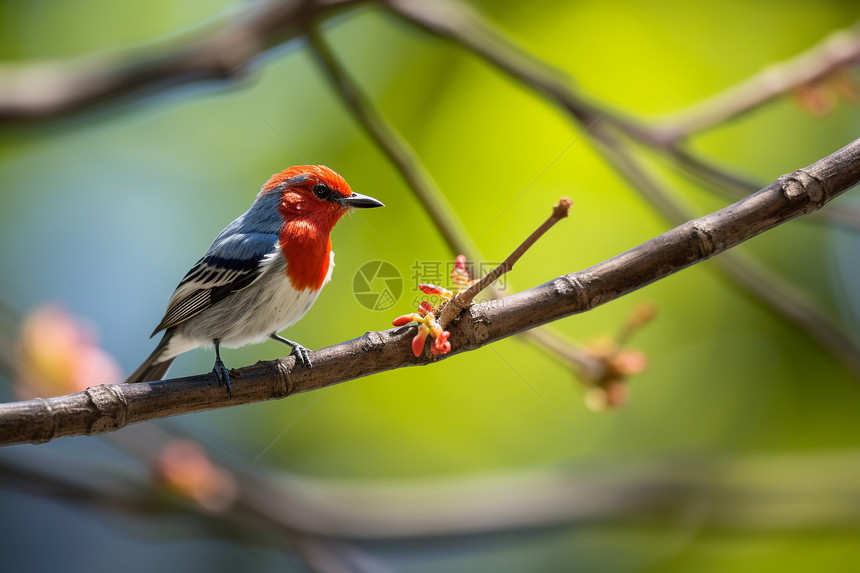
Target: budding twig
[[463, 299]]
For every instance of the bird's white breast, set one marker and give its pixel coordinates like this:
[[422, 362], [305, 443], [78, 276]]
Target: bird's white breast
[[268, 305]]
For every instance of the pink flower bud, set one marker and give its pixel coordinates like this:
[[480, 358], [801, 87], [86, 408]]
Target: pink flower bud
[[435, 290], [459, 275], [405, 319], [418, 341], [441, 344]]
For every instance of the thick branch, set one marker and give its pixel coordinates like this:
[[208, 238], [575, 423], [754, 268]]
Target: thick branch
[[106, 408], [734, 186]]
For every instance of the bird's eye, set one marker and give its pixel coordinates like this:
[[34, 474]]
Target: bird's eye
[[322, 191]]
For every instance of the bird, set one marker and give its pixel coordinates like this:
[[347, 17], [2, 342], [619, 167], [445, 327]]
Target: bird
[[261, 274]]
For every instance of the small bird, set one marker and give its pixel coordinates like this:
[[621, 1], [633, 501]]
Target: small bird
[[261, 274]]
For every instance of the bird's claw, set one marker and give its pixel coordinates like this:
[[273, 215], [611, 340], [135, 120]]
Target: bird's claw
[[302, 356], [222, 374], [296, 349]]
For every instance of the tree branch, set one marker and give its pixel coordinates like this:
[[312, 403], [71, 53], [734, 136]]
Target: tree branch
[[107, 408], [53, 89], [837, 51]]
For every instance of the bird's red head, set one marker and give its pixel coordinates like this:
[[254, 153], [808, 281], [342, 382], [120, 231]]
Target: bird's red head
[[304, 177], [313, 200]]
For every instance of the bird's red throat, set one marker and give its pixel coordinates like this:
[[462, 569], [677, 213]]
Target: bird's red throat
[[306, 245]]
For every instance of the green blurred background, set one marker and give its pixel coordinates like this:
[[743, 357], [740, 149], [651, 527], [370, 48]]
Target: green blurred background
[[104, 212]]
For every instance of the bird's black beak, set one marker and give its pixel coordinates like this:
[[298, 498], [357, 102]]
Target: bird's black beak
[[357, 201]]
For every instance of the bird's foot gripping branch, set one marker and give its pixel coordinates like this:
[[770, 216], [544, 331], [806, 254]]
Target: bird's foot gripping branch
[[432, 320]]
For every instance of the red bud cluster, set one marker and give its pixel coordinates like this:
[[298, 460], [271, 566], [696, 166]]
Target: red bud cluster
[[427, 326], [426, 314]]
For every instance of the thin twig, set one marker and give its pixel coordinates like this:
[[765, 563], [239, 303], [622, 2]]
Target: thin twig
[[107, 408], [837, 51], [462, 300], [585, 364]]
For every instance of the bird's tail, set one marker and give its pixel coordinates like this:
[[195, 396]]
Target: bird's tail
[[154, 367]]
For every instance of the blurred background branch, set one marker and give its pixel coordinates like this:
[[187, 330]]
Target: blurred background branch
[[48, 90], [837, 52], [457, 22], [773, 493]]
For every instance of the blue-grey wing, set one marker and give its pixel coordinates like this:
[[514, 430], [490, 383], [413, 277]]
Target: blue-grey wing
[[233, 262]]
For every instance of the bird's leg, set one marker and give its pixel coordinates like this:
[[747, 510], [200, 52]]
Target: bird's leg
[[220, 370], [299, 351]]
